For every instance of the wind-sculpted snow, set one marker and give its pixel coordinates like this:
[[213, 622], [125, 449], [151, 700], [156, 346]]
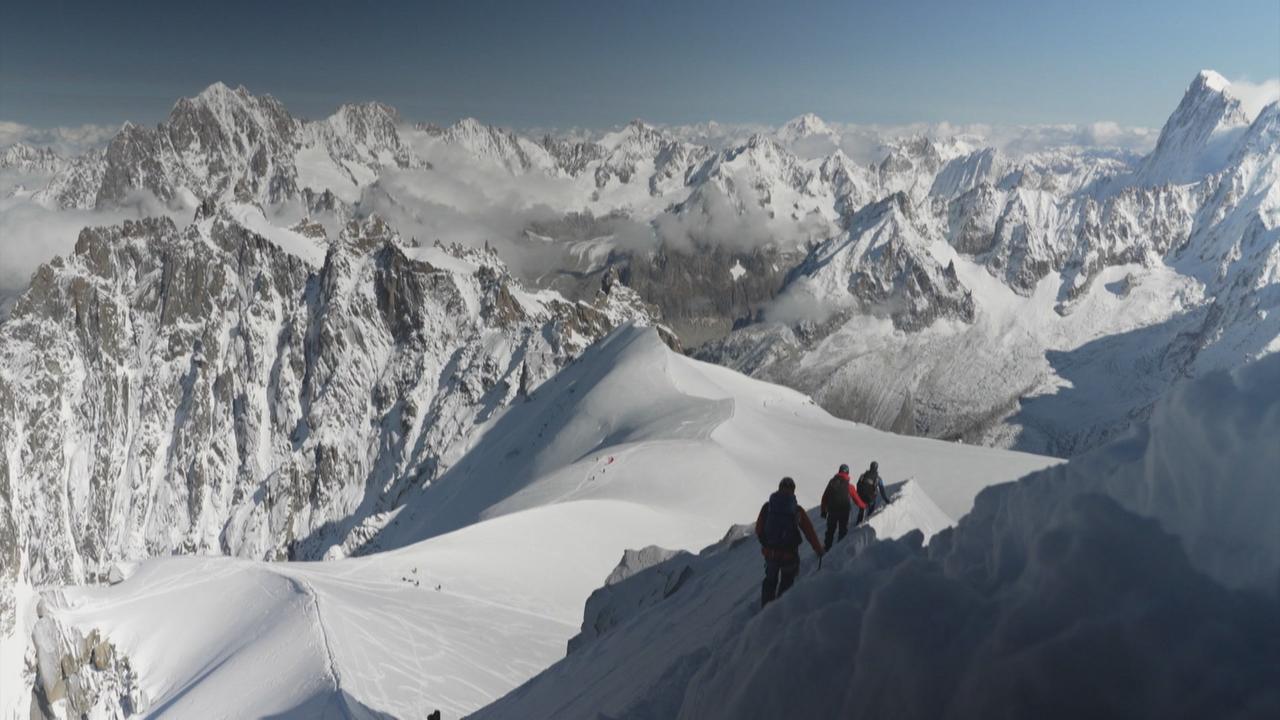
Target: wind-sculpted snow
[[1139, 580], [481, 577]]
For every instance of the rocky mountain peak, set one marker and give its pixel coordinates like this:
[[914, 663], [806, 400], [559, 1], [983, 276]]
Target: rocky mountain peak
[[803, 125], [1198, 137], [494, 144], [1211, 81], [234, 111]]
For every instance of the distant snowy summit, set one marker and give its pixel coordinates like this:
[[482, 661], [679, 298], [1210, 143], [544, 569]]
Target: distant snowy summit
[[1198, 138]]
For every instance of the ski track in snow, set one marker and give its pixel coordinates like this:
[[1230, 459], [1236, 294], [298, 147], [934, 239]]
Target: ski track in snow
[[305, 587]]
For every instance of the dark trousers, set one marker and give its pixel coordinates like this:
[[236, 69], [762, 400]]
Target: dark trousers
[[779, 573], [836, 520]]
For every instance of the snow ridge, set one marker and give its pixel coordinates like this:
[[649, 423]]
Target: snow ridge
[[630, 444], [1112, 555]]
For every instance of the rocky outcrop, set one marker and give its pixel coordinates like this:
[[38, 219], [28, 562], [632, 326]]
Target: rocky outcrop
[[644, 578], [80, 675]]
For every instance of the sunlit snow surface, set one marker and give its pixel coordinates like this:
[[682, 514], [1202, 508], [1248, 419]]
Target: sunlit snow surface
[[632, 445], [1138, 580]]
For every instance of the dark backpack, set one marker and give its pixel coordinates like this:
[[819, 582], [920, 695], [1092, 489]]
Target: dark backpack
[[836, 496], [780, 528], [867, 487]]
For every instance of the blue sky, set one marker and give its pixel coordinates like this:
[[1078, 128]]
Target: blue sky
[[596, 64]]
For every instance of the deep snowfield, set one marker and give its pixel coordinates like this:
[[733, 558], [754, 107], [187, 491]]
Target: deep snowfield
[[482, 578], [1139, 580]]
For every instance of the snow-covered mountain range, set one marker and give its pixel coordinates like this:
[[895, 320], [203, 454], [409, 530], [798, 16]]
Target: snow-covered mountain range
[[857, 282], [1044, 304], [359, 335]]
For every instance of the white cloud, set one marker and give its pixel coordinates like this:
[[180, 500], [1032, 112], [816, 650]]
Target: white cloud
[[867, 143], [31, 234], [1255, 95], [468, 200], [66, 141]]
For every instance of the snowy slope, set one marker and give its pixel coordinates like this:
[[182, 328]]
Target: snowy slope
[[630, 445], [1199, 136], [1126, 571]]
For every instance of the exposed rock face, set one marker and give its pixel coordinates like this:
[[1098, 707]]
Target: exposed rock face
[[644, 578], [502, 147], [887, 269], [227, 143], [621, 597], [642, 153], [910, 167], [201, 390], [77, 183], [1196, 139], [572, 157], [704, 294]]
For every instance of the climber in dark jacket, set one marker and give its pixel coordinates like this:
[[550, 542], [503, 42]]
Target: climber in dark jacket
[[779, 527], [837, 501], [870, 488]]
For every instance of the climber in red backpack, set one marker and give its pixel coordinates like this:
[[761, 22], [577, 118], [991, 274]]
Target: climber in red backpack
[[779, 528], [837, 502]]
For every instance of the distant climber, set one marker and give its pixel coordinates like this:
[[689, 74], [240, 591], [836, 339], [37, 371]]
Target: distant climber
[[870, 488], [779, 528], [837, 502]]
